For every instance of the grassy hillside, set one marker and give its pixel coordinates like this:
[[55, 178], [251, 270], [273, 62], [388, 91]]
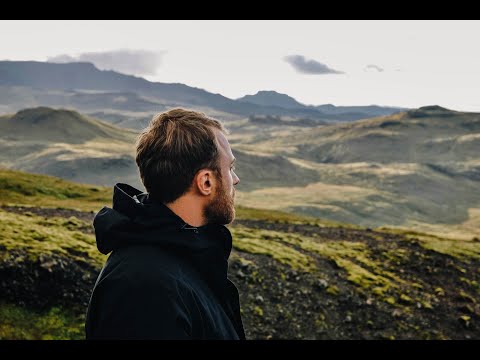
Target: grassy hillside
[[21, 188], [299, 277], [67, 144], [49, 125], [417, 169], [428, 134]]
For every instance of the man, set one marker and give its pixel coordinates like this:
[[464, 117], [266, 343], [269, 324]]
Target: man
[[166, 277]]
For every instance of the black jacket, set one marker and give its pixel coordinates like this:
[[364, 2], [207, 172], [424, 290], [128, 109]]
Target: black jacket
[[164, 278]]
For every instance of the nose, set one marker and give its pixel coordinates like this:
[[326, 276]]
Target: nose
[[238, 180]]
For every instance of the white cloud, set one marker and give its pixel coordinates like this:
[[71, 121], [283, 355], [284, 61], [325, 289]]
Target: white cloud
[[372, 67], [134, 62], [302, 65]]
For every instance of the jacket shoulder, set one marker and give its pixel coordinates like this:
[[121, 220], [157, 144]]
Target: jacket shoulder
[[146, 264], [139, 294]]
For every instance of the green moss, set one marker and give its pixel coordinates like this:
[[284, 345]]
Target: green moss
[[267, 243], [439, 291], [333, 290], [368, 273], [320, 323], [406, 299], [258, 311], [42, 237], [467, 297], [354, 258], [465, 320], [18, 323], [460, 249], [427, 305], [472, 283], [390, 300], [417, 285], [26, 189]]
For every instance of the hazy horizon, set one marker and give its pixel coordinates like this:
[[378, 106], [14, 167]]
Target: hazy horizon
[[355, 63]]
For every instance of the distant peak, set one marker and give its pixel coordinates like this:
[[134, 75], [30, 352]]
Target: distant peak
[[272, 98], [43, 113], [270, 92], [433, 108], [430, 110]]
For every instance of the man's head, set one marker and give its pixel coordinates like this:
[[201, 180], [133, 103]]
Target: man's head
[[185, 155]]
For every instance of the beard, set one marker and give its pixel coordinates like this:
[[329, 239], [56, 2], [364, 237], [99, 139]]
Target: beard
[[221, 210]]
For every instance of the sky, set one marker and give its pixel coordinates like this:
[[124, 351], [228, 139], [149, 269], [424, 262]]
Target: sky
[[390, 63]]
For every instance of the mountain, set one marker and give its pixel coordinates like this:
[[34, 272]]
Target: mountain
[[339, 113], [298, 277], [67, 144], [272, 98], [358, 112], [85, 76], [83, 87], [46, 124]]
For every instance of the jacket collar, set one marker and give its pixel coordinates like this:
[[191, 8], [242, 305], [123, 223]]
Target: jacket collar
[[136, 218]]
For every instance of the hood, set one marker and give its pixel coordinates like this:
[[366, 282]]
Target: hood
[[135, 218]]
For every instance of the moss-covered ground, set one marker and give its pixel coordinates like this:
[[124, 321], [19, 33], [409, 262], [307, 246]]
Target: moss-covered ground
[[298, 277]]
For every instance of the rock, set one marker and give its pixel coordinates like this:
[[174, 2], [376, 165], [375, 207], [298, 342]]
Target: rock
[[244, 266], [348, 319], [465, 321], [241, 275], [397, 313], [321, 284], [259, 299]]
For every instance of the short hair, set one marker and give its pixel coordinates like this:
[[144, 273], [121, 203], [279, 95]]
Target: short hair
[[173, 148]]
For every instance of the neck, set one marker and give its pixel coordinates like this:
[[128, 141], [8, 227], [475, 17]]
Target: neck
[[190, 210]]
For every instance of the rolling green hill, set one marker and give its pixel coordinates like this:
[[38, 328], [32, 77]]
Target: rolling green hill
[[298, 277], [49, 125], [67, 144], [418, 169]]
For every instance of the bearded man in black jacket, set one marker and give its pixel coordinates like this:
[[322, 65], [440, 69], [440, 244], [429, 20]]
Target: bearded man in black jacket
[[166, 276]]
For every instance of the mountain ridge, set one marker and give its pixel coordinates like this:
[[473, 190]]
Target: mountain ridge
[[71, 77]]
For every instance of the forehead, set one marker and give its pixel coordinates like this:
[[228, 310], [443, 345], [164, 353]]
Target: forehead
[[224, 145]]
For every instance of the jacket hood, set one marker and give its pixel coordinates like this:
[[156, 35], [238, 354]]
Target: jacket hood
[[135, 218]]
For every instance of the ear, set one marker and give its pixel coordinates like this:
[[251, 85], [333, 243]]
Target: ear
[[205, 181]]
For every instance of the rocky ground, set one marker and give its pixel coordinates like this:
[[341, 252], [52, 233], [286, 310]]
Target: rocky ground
[[439, 300]]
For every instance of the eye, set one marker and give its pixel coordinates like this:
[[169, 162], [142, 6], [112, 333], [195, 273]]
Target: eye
[[232, 168]]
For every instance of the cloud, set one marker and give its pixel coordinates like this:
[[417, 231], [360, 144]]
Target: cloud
[[371, 67], [305, 66], [134, 62]]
